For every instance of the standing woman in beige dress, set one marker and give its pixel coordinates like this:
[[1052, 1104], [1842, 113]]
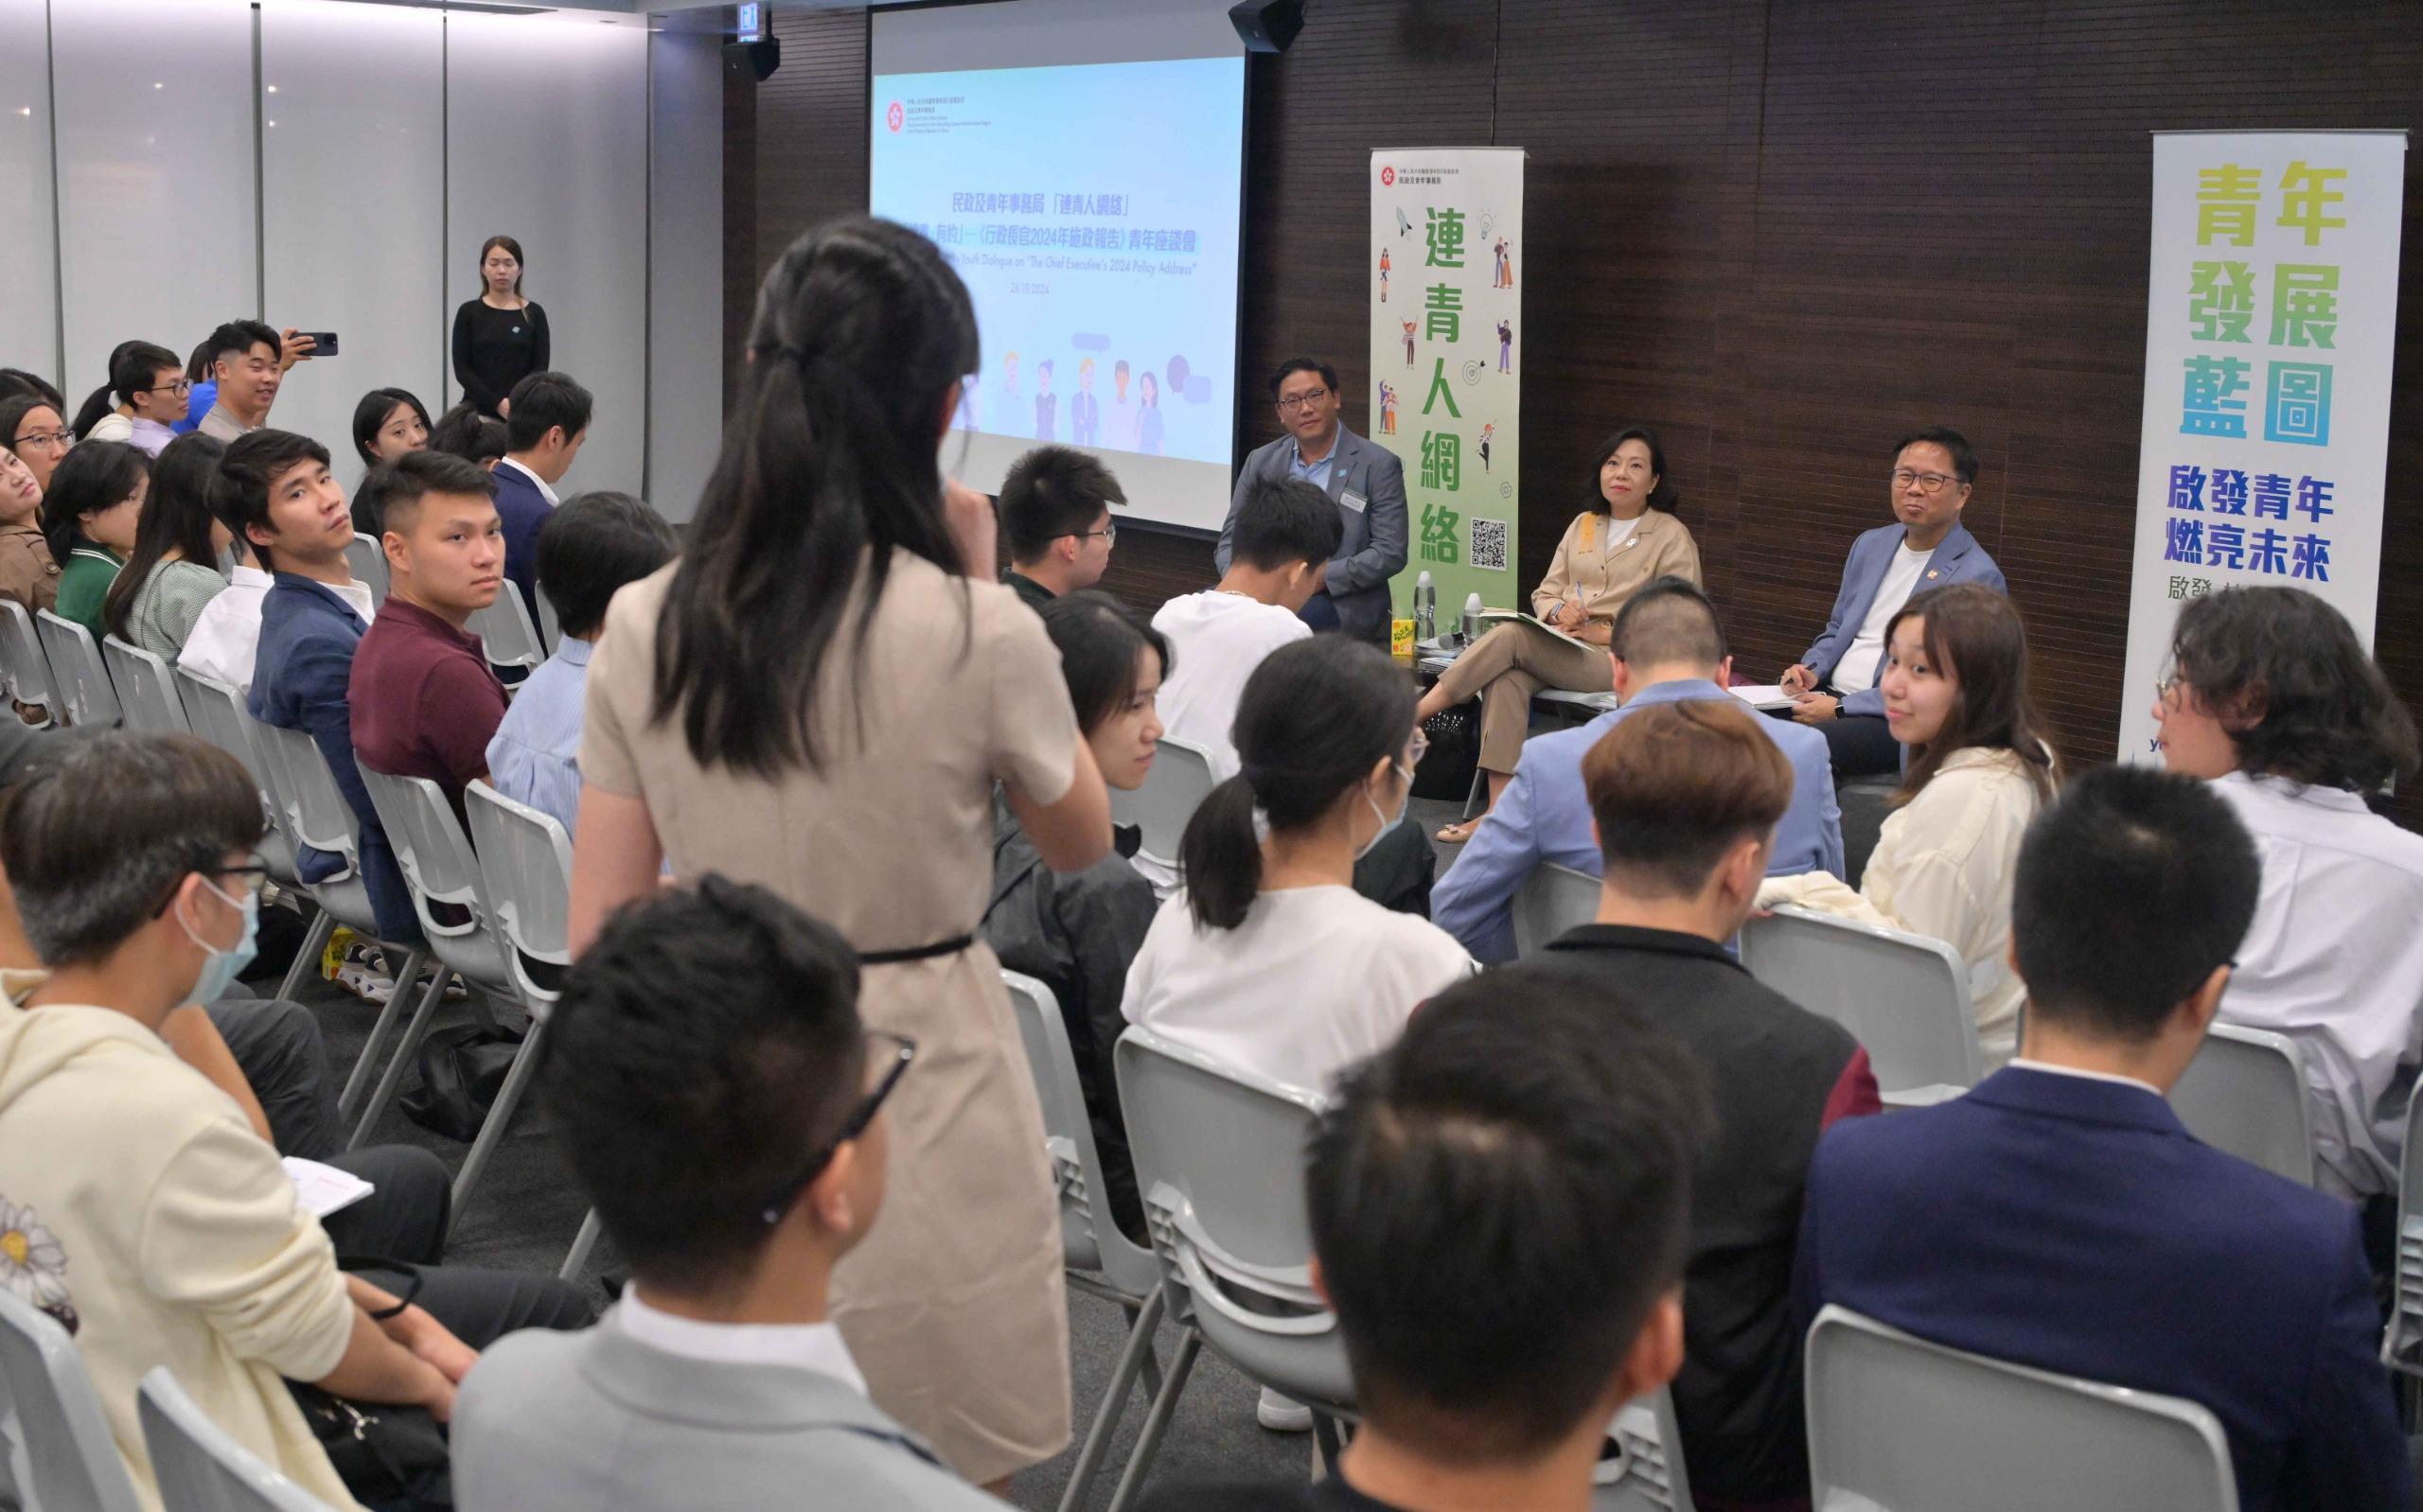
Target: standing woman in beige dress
[[818, 696], [1626, 540]]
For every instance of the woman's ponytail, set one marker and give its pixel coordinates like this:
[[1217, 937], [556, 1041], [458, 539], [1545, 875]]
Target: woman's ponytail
[[1220, 856]]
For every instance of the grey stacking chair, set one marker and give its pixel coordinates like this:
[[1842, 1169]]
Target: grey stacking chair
[[551, 630], [145, 689], [23, 663], [71, 1460], [1648, 1475], [2245, 1093], [441, 869], [1897, 1424], [200, 1466], [1552, 900], [318, 815], [506, 635], [1902, 997], [1102, 1260], [75, 669], [1178, 783], [2402, 1340], [369, 566], [525, 857], [216, 712], [1220, 1158]]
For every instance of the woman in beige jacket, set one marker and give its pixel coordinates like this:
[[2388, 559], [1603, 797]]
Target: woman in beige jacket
[[1955, 694], [1626, 540]]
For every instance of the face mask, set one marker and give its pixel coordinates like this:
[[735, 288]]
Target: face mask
[[1387, 821], [220, 973]]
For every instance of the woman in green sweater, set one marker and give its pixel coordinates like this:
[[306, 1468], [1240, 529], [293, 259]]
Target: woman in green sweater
[[89, 515]]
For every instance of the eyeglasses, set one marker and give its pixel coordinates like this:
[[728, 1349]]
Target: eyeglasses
[[51, 440], [180, 386], [1929, 482], [2165, 686], [894, 1052], [1300, 401], [1108, 533]]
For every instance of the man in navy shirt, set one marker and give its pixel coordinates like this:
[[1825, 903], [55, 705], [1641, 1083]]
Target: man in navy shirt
[[546, 420]]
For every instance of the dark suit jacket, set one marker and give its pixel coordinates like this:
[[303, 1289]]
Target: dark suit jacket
[[2074, 1225], [523, 509], [1780, 1076], [1373, 548], [1957, 559]]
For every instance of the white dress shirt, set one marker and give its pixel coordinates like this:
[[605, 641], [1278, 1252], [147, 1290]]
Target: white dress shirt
[[2024, 1063], [2334, 960], [816, 1346], [1944, 868], [228, 633]]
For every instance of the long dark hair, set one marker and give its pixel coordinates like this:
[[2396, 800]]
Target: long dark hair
[[510, 245], [1978, 633], [13, 412], [1313, 719], [176, 517], [133, 366], [2294, 688], [94, 476], [1098, 639], [829, 466], [1663, 496], [370, 417]]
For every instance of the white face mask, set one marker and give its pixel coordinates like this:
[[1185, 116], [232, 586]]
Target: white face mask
[[1387, 822]]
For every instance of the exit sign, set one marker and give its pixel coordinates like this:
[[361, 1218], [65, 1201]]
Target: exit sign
[[750, 25]]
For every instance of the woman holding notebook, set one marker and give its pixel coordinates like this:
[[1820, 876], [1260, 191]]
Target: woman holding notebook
[[1628, 538]]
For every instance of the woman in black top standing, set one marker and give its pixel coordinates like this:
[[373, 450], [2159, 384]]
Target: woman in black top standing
[[500, 338]]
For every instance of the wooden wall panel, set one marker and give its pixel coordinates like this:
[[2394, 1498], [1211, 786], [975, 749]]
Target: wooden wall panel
[[1780, 231]]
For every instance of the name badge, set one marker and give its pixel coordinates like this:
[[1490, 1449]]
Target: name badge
[[1352, 500]]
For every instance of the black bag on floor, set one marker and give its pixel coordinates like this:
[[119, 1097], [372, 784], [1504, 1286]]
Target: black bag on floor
[[461, 1070], [1446, 770]]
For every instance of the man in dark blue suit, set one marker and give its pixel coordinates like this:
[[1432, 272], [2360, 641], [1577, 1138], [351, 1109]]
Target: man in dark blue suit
[[1837, 679], [546, 420], [2060, 1215]]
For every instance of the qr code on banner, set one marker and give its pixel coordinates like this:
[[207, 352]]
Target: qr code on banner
[[1489, 544]]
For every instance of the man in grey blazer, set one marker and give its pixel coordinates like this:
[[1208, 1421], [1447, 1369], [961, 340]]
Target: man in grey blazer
[[1366, 482], [733, 1146]]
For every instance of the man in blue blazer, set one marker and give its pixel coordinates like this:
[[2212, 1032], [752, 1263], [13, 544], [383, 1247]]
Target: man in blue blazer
[[1926, 547], [1668, 646], [2059, 1216], [546, 420], [1365, 481]]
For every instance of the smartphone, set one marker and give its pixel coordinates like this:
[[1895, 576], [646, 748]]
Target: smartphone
[[326, 343]]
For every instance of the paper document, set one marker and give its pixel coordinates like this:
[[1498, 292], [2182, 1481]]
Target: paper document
[[1764, 695], [324, 1190], [1500, 616]]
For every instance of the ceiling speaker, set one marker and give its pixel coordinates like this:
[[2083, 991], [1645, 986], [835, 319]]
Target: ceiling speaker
[[1267, 25]]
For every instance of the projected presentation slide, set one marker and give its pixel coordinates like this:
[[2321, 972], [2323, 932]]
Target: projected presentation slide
[[1092, 211]]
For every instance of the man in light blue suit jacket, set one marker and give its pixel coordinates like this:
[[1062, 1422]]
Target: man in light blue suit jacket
[[1926, 547], [1668, 647], [2060, 1216]]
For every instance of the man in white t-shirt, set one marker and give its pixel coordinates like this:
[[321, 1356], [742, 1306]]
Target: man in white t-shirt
[[1835, 680], [1284, 534]]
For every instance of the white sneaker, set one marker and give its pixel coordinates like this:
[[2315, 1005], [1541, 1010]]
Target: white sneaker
[[1283, 1415]]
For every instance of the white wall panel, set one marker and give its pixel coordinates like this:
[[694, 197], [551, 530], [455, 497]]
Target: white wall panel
[[547, 142], [685, 275], [29, 311], [353, 176], [156, 203]]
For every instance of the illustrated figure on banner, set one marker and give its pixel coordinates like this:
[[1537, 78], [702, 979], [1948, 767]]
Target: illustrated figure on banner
[[1124, 418], [1148, 417], [1488, 433], [1084, 411], [1384, 275], [1505, 266], [1505, 346], [1047, 404], [1388, 408], [1409, 326]]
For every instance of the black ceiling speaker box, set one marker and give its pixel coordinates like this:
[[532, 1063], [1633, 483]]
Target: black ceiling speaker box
[[759, 59], [1267, 25]]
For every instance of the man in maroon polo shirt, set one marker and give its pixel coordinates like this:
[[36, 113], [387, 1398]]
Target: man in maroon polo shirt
[[424, 701]]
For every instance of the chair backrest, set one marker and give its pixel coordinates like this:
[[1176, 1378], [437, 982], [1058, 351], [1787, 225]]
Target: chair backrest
[[551, 630], [216, 712], [144, 687], [1648, 1475], [369, 565], [1896, 1422], [1090, 1237], [1178, 783], [1552, 900], [200, 1466], [2245, 1093], [1902, 997], [526, 859], [23, 663], [73, 1460], [76, 667], [506, 635], [431, 852], [306, 792], [2402, 1341], [1220, 1162]]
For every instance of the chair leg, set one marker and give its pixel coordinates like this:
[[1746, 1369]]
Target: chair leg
[[1157, 1422], [367, 1062], [1136, 1357], [492, 1128], [392, 1080], [582, 1244], [316, 939], [1325, 1439]]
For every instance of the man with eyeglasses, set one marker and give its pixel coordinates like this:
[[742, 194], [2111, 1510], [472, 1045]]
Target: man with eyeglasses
[[718, 1098], [1366, 482], [1055, 510], [1835, 683]]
